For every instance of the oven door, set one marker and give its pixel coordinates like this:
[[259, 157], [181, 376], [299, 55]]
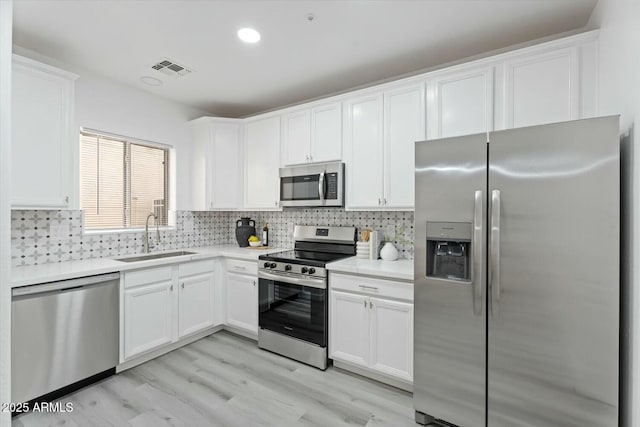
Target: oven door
[[294, 307]]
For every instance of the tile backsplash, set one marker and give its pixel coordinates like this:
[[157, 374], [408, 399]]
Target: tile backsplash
[[33, 241]]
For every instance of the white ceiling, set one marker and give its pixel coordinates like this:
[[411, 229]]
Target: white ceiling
[[349, 44]]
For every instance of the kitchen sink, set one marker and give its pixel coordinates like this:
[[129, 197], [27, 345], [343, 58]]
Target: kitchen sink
[[147, 257]]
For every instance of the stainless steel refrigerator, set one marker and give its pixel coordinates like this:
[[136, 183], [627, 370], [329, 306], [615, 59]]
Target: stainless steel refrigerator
[[517, 277]]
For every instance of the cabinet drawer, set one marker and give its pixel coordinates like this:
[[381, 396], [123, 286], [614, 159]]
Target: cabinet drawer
[[371, 286], [150, 275], [242, 267], [196, 267]]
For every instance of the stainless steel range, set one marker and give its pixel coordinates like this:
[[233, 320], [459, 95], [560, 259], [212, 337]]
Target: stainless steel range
[[293, 293]]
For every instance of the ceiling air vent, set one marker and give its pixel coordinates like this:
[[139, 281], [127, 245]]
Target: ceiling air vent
[[170, 68]]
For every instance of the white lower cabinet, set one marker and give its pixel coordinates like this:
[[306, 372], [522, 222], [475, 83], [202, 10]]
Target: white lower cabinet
[[196, 304], [349, 330], [371, 326], [242, 302], [148, 315], [165, 304], [391, 327]]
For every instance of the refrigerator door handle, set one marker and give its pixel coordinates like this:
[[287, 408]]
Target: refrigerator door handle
[[476, 265], [494, 269]]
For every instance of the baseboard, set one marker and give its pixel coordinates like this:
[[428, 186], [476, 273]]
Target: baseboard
[[397, 383], [241, 332], [159, 352]]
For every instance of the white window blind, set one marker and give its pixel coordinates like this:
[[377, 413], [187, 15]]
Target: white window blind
[[122, 182]]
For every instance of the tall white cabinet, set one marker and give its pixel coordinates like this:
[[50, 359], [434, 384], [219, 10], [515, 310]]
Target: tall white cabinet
[[43, 136], [262, 157], [380, 131], [217, 164]]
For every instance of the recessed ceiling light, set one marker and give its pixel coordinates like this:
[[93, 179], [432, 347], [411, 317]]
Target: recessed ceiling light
[[248, 35], [151, 81]]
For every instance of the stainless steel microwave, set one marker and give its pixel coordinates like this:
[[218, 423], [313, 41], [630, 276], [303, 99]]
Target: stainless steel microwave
[[317, 185]]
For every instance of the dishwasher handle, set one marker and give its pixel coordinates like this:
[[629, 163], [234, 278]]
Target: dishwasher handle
[[64, 285]]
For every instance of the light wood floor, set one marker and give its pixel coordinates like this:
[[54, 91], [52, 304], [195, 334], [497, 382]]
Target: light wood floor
[[226, 380]]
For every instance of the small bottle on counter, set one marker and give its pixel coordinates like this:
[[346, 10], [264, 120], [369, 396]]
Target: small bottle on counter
[[265, 235]]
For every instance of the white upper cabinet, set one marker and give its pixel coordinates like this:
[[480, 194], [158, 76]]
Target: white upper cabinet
[[380, 132], [460, 103], [262, 160], [296, 138], [326, 133], [403, 126], [364, 151], [542, 88], [312, 135], [43, 135], [217, 164]]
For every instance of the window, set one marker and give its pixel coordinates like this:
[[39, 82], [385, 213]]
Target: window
[[122, 181]]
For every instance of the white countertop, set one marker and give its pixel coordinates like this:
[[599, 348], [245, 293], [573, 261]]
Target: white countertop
[[42, 273], [401, 269]]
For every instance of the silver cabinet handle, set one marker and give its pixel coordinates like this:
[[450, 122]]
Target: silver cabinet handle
[[276, 203], [370, 305], [182, 285], [494, 270], [239, 267], [379, 201], [385, 200], [476, 265], [307, 157], [254, 283], [171, 288], [365, 303], [373, 288], [321, 187]]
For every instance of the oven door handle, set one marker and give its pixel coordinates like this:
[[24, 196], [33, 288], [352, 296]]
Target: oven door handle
[[311, 282]]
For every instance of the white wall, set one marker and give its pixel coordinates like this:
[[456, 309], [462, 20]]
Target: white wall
[[619, 93], [6, 17], [106, 105]]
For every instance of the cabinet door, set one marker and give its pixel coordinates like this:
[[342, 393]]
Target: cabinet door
[[403, 126], [296, 139], [542, 89], [349, 328], [242, 302], [363, 143], [147, 318], [42, 114], [326, 133], [195, 310], [460, 104], [392, 338], [226, 167], [262, 154]]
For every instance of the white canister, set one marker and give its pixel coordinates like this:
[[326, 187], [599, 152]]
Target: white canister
[[389, 252]]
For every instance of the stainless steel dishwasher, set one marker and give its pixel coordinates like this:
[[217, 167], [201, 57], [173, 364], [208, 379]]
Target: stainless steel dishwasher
[[63, 333]]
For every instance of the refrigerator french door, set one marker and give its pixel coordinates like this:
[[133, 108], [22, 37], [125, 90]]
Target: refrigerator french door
[[517, 277]]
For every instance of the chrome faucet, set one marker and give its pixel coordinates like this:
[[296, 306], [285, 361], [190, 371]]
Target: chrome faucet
[[149, 245]]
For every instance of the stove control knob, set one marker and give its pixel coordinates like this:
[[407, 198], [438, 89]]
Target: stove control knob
[[267, 264], [287, 267], [312, 270], [273, 265], [303, 270]]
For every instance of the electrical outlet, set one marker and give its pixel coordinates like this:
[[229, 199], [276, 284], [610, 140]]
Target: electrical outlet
[[58, 231]]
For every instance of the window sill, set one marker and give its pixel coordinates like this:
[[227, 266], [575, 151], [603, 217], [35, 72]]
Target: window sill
[[126, 230]]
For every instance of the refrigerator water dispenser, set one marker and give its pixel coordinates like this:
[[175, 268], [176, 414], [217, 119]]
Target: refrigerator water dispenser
[[449, 250]]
